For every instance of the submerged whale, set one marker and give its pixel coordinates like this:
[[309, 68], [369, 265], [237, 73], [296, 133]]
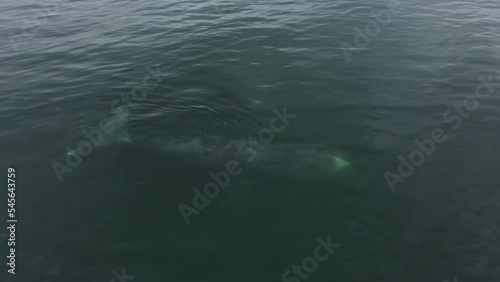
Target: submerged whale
[[209, 150]]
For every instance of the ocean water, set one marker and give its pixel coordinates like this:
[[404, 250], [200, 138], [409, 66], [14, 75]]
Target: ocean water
[[112, 112]]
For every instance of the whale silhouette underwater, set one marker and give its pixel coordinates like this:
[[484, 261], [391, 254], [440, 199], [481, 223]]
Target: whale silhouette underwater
[[292, 159]]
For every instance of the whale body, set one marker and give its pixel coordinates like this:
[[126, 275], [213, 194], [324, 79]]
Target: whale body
[[209, 150]]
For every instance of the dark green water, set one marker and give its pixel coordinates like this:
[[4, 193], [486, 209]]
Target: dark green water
[[200, 69]]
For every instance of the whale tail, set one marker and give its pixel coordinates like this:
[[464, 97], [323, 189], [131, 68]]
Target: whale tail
[[116, 131], [118, 123]]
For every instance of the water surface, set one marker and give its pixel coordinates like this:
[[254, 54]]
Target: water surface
[[221, 68]]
